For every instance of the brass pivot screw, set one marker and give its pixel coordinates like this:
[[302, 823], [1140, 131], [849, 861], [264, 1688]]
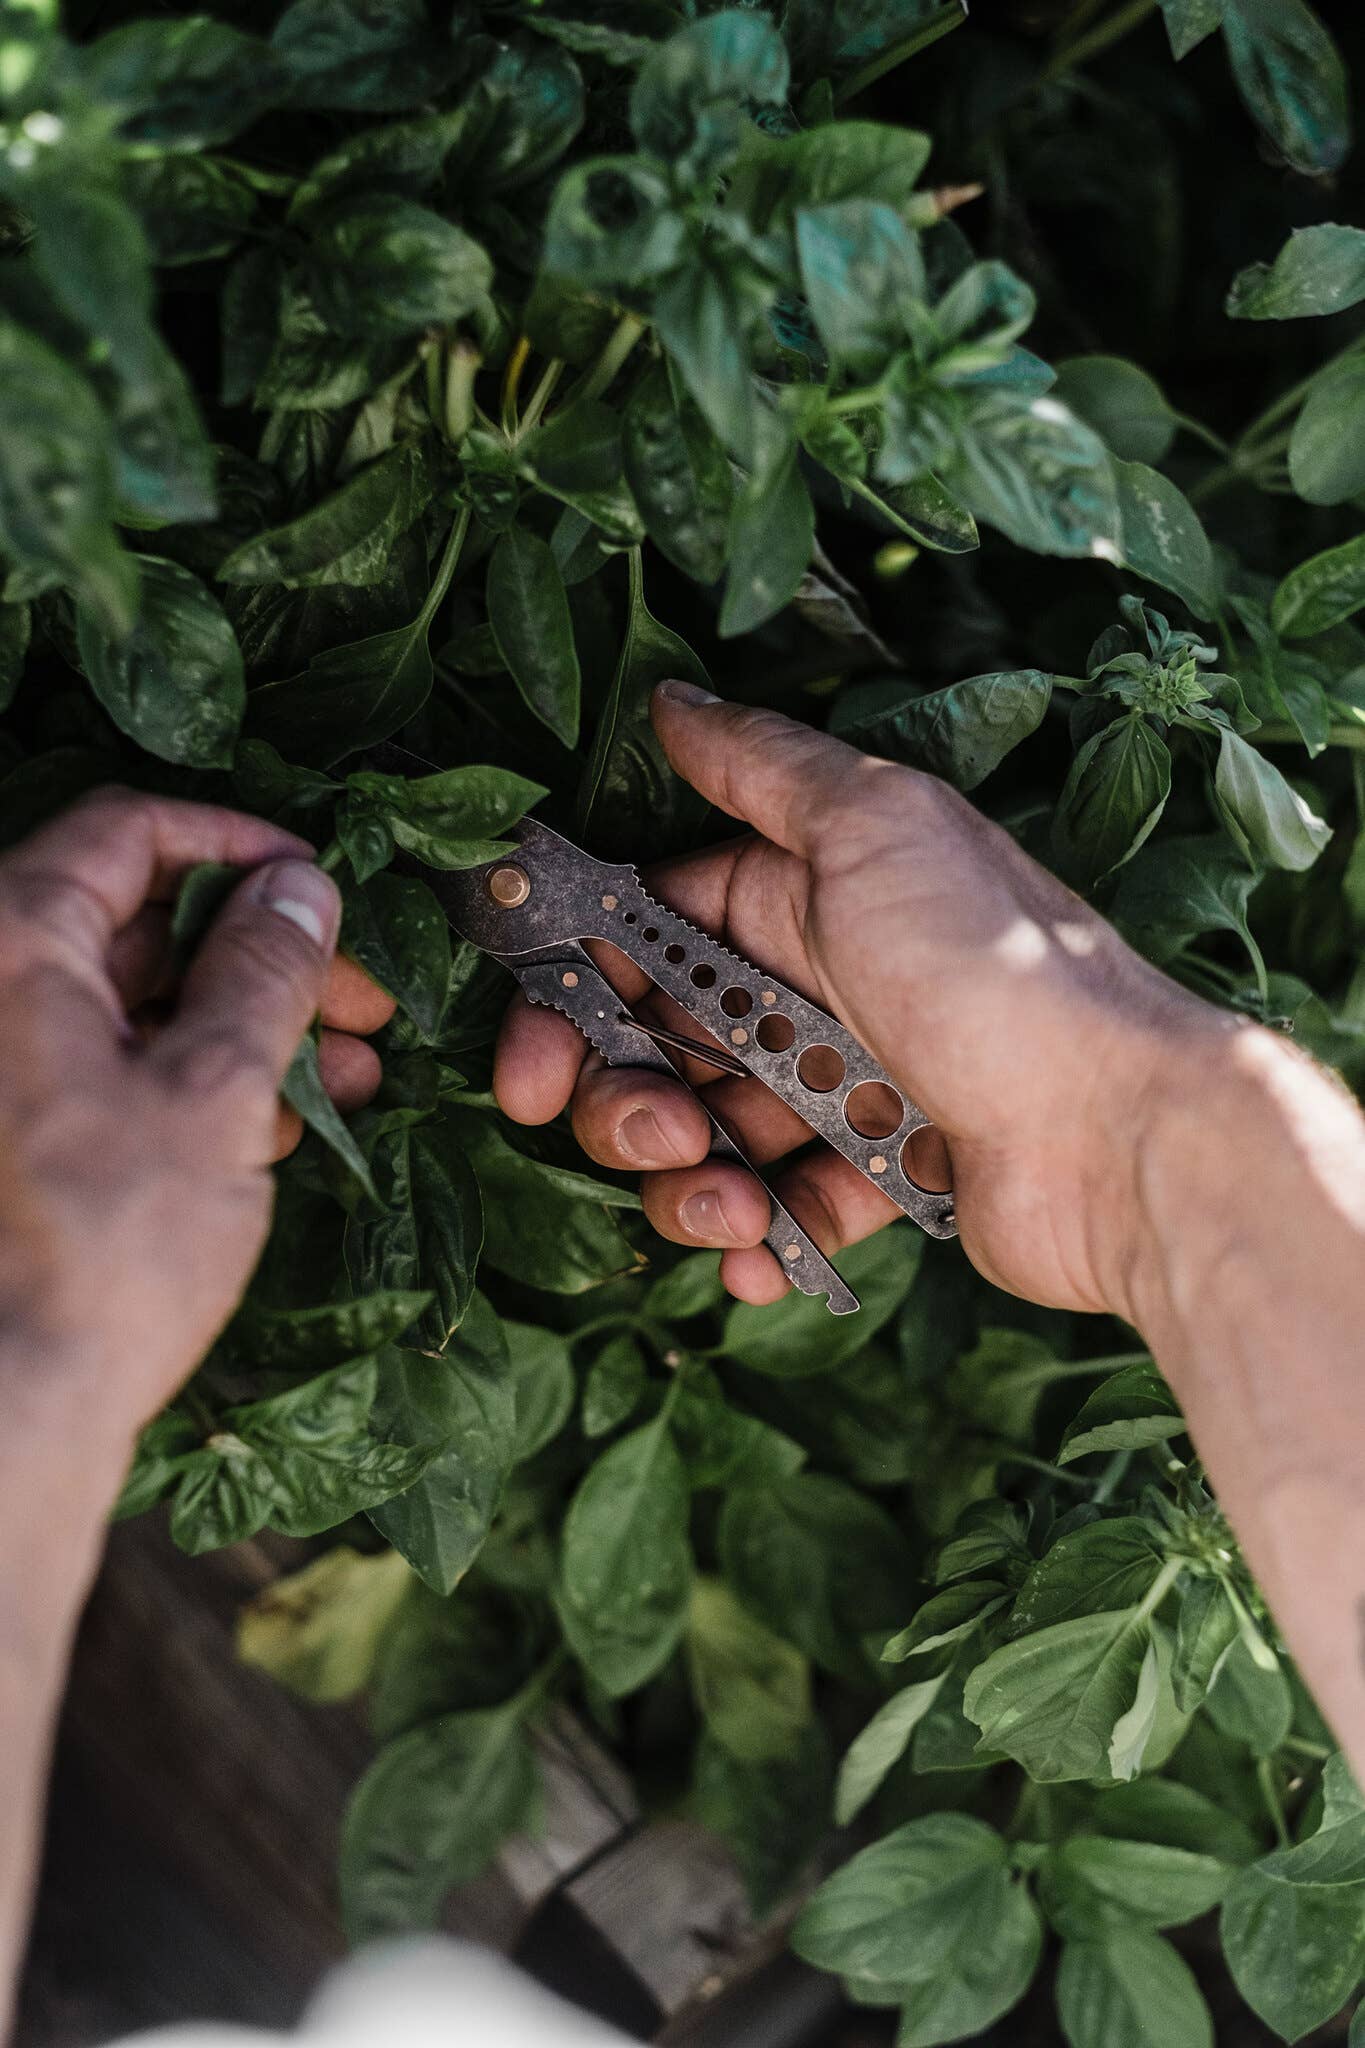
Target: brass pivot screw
[[509, 886]]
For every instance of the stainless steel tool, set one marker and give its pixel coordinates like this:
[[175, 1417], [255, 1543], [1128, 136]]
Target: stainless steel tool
[[533, 911]]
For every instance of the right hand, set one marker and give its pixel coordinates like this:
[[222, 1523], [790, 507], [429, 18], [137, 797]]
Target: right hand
[[1040, 1045]]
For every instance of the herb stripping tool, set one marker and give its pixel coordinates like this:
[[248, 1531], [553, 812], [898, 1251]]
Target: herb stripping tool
[[534, 909]]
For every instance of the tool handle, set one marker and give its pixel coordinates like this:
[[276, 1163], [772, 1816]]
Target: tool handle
[[574, 986]]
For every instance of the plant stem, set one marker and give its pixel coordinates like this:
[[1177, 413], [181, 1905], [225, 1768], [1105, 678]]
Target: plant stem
[[1108, 1482], [331, 857], [1161, 1586], [909, 46], [511, 382], [1080, 1368], [1010, 1454], [540, 397], [446, 567], [1089, 45], [1203, 433], [1270, 1792], [1289, 735], [617, 347]]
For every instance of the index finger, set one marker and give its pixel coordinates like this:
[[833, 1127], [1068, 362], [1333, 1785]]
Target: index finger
[[116, 849]]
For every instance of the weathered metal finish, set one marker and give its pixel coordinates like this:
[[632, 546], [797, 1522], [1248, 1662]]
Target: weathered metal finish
[[805, 1057]]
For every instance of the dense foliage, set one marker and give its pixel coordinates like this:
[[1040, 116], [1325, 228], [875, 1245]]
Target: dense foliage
[[371, 366]]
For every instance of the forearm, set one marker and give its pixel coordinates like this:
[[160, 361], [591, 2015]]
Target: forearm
[[60, 1469], [1251, 1293]]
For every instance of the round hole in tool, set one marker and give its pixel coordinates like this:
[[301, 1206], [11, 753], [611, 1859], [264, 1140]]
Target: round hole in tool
[[925, 1161], [630, 917], [736, 1002], [820, 1068], [873, 1109], [703, 977], [775, 1034], [649, 934], [675, 954]]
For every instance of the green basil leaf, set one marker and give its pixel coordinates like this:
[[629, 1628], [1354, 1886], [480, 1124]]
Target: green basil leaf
[[631, 802], [1163, 539], [614, 1386], [1321, 592], [880, 1746], [930, 1918], [688, 102], [381, 267], [1327, 446], [1052, 1700], [1188, 22], [397, 931], [348, 537], [1093, 1570], [361, 56], [818, 1563], [1292, 80], [302, 1089], [1035, 472], [1249, 1698], [626, 1565], [465, 1400], [679, 475], [1130, 1411], [183, 85], [1293, 1928], [1112, 798], [431, 1813], [1275, 823], [529, 614], [543, 1385], [306, 1339], [1127, 1989], [1206, 1630], [57, 481], [795, 1336], [946, 1618], [546, 1226], [1320, 270], [773, 1814], [751, 1689], [962, 733], [319, 1631], [175, 684], [431, 1226], [1125, 406]]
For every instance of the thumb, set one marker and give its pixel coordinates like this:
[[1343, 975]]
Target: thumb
[[255, 984], [782, 778]]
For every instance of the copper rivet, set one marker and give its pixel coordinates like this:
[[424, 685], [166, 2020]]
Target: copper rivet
[[509, 886], [608, 903], [569, 980], [739, 1037], [792, 1253], [767, 996], [876, 1164]]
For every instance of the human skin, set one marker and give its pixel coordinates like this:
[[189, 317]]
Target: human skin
[[1115, 1144], [136, 1193]]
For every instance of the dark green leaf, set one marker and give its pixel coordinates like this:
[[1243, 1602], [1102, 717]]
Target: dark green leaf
[[398, 932], [307, 1339], [680, 477], [1327, 447], [1121, 402], [614, 1386], [1188, 22], [529, 614], [1162, 538], [1319, 270], [961, 733], [347, 538], [302, 1089], [382, 267], [1206, 1630], [688, 102], [822, 1565], [880, 1746], [1127, 1990], [932, 1919], [1321, 592], [183, 85], [1128, 1412], [1053, 1700], [466, 1400], [431, 1813], [364, 56], [175, 685], [795, 1336], [1293, 1928], [1291, 77], [1274, 822], [1113, 797], [1250, 1699], [543, 1383], [431, 1228], [1040, 476], [1092, 1570], [546, 1226], [626, 1567], [751, 1689], [774, 1815]]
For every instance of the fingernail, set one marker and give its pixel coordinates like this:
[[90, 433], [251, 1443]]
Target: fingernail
[[703, 1217], [678, 692], [640, 1137], [297, 890]]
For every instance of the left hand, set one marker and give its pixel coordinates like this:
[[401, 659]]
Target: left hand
[[138, 1121]]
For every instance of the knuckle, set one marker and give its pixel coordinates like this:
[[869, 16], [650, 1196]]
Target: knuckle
[[271, 951], [38, 906]]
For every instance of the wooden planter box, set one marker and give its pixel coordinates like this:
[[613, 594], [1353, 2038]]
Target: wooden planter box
[[209, 1866]]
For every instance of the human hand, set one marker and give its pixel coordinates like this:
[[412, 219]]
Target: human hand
[[1011, 1012], [135, 1195]]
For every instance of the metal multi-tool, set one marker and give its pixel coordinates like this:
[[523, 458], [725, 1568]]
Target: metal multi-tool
[[534, 910]]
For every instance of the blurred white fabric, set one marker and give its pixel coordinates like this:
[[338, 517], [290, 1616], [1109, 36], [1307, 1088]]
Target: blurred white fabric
[[414, 1994]]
